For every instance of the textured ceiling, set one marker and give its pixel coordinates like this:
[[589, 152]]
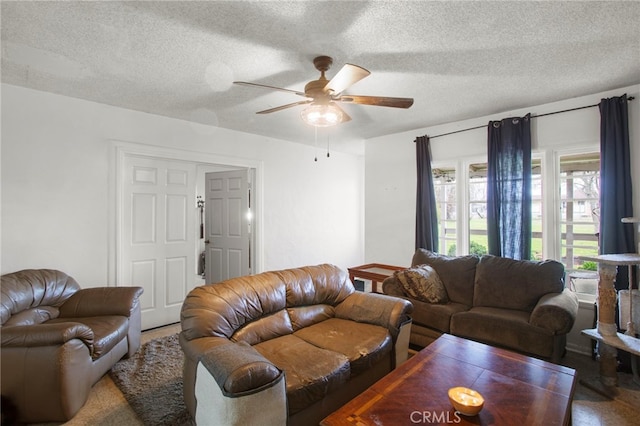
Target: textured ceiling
[[457, 60]]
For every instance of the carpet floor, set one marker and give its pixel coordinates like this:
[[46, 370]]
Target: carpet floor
[[151, 382]]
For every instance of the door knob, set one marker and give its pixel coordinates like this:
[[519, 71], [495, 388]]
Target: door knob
[[206, 241]]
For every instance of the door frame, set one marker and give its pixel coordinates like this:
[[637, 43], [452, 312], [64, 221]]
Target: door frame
[[118, 150]]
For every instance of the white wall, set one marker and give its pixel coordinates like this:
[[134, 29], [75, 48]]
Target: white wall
[[55, 183], [390, 165], [55, 174]]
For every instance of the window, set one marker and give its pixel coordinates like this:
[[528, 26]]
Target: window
[[579, 207], [478, 241], [537, 211], [565, 221], [444, 183], [579, 218]]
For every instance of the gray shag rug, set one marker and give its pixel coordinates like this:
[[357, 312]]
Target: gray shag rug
[[151, 382]]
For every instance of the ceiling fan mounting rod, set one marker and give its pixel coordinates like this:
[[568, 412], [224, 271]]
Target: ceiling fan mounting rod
[[316, 89], [323, 63]]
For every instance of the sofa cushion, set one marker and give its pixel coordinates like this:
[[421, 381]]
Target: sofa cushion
[[456, 272], [423, 283], [503, 327], [436, 316], [431, 315], [221, 309], [265, 328], [313, 285], [304, 316], [310, 372], [501, 282], [363, 344], [108, 331], [33, 316]]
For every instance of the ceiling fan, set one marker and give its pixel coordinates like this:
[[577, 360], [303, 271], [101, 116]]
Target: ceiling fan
[[322, 95]]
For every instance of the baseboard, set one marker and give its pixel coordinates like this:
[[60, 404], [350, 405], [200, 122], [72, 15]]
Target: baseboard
[[579, 350]]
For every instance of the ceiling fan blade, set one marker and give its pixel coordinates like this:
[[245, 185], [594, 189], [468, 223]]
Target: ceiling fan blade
[[347, 76], [281, 107], [376, 101], [264, 86]]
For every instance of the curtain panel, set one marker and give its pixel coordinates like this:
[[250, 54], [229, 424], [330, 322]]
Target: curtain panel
[[426, 211], [615, 182], [509, 187]]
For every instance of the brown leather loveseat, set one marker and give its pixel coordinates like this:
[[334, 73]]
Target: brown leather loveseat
[[58, 340], [286, 347]]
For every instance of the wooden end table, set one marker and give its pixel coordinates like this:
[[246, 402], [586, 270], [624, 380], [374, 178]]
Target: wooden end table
[[518, 390], [376, 272]]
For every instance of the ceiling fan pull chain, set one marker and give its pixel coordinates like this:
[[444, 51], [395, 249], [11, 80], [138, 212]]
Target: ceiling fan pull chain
[[316, 143], [328, 145]]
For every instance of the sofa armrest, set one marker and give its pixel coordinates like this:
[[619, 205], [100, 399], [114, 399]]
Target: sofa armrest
[[98, 301], [392, 287], [374, 308], [194, 349], [555, 312], [239, 369], [266, 405], [46, 335]]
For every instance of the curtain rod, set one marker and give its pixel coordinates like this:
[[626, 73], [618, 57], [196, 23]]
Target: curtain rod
[[630, 98]]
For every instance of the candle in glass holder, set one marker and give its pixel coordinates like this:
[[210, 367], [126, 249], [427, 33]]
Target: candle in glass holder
[[466, 401]]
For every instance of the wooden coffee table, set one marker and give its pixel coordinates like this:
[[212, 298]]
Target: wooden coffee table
[[518, 390]]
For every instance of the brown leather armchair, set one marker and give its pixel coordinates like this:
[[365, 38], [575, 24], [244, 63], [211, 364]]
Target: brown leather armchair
[[58, 340]]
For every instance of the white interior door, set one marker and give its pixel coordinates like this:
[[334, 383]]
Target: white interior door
[[157, 238], [227, 225]]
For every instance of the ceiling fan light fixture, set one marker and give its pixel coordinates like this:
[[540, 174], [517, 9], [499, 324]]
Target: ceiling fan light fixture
[[322, 115]]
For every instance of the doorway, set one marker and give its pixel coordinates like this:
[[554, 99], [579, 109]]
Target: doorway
[[155, 224], [228, 223]]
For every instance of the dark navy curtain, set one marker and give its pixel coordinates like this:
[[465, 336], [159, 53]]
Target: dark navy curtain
[[615, 182], [426, 213], [509, 188]]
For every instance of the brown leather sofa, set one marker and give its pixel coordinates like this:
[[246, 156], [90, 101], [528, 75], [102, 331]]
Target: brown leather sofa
[[519, 305], [58, 340], [286, 347]]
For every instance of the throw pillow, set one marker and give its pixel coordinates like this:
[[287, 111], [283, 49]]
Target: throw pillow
[[422, 283]]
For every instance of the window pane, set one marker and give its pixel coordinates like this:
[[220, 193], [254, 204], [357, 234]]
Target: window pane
[[537, 203], [444, 183], [579, 218], [478, 242]]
